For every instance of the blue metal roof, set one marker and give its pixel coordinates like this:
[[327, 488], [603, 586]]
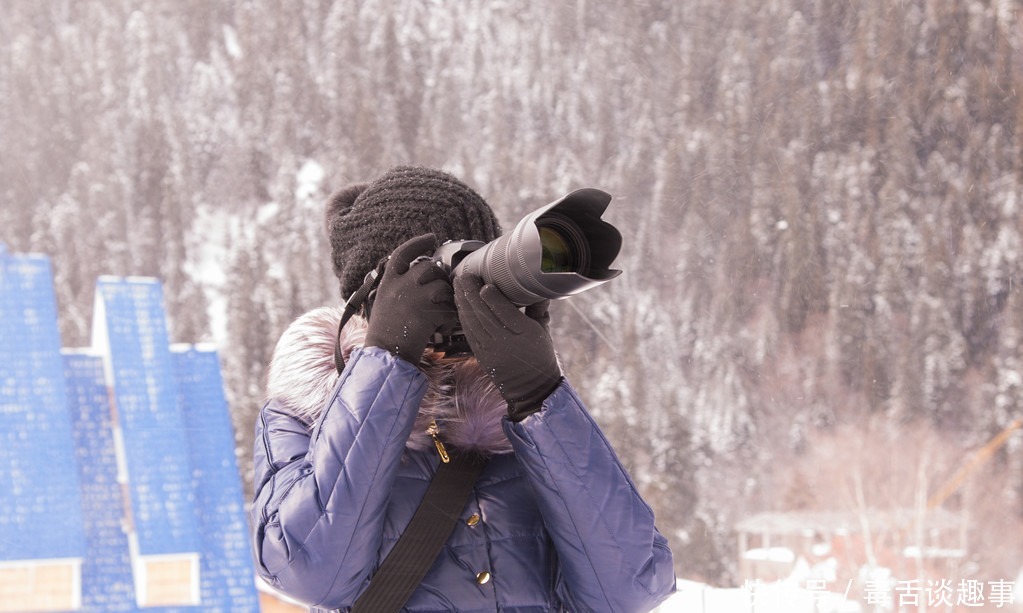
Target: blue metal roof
[[106, 572], [39, 484], [227, 572], [65, 479], [132, 329]]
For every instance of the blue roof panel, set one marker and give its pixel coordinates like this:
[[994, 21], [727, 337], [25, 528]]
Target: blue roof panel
[[106, 572], [227, 572], [134, 332], [39, 486]]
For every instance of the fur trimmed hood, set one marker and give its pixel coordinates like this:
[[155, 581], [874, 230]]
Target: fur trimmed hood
[[460, 396]]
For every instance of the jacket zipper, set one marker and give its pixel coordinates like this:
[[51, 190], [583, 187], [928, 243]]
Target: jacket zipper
[[433, 430]]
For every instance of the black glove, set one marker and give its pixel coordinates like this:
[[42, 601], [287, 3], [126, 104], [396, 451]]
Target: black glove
[[412, 302], [513, 347]]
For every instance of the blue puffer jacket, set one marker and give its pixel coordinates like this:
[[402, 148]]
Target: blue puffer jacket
[[554, 525]]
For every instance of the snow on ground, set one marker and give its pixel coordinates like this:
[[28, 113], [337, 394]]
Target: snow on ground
[[776, 597]]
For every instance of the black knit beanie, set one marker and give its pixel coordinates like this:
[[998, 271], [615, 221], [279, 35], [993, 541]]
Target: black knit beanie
[[367, 221]]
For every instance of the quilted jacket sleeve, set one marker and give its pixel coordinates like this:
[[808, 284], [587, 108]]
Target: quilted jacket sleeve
[[320, 496], [612, 557]]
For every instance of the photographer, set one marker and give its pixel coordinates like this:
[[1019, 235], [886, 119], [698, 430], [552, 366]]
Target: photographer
[[343, 459]]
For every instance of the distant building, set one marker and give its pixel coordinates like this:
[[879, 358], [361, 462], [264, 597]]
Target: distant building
[[835, 547], [117, 470]]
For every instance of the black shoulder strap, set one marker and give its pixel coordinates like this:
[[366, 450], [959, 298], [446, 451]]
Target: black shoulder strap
[[417, 548]]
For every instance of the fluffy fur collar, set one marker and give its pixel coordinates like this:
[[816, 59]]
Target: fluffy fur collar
[[460, 396]]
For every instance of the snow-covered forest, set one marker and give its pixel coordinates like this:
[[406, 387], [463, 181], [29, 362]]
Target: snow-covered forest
[[822, 206]]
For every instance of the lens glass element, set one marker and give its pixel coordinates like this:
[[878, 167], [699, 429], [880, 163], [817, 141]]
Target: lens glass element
[[556, 252]]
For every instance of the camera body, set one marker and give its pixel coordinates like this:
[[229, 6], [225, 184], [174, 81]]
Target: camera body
[[448, 256]]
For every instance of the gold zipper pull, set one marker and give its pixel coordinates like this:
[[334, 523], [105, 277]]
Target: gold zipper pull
[[433, 431]]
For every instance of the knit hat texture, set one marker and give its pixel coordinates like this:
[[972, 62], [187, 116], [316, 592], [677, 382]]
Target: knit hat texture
[[367, 221]]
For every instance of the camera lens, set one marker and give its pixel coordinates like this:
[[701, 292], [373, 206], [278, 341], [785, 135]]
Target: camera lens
[[554, 252], [563, 246], [556, 255]]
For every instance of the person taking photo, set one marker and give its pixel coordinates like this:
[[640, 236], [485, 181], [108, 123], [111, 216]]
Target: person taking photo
[[359, 421]]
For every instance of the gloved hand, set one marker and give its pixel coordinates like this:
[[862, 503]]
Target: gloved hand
[[412, 301], [513, 347]]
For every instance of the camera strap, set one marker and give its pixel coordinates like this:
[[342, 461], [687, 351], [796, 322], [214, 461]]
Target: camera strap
[[352, 306], [432, 524]]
